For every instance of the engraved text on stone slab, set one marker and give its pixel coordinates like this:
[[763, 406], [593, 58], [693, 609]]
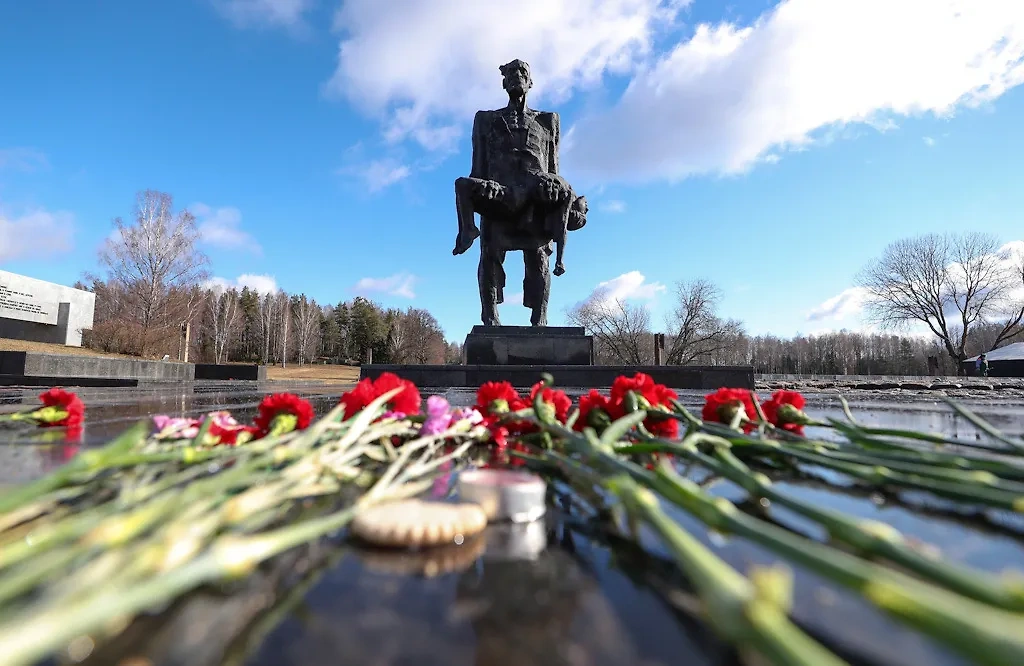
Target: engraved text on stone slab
[[16, 303]]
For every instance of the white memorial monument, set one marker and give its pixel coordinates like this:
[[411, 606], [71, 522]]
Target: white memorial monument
[[41, 311]]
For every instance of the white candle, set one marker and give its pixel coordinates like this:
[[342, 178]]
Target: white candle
[[504, 494]]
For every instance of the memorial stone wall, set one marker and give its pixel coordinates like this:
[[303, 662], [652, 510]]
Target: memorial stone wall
[[43, 311]]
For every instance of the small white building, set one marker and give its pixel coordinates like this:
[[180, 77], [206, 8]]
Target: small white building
[[42, 311]]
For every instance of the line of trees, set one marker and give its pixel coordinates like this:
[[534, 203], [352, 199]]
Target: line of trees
[[696, 334], [841, 353], [275, 328], [155, 298]]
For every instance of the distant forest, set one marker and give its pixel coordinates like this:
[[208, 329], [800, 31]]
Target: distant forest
[[156, 297]]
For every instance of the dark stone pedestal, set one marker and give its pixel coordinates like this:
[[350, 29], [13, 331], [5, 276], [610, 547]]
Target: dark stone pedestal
[[230, 371], [528, 345]]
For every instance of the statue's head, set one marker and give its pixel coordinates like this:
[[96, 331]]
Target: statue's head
[[516, 77]]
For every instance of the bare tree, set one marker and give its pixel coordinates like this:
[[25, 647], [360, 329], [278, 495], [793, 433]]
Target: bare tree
[[622, 331], [222, 306], [113, 329], [191, 305], [396, 342], [422, 340], [452, 353], [696, 332], [283, 321], [950, 283], [306, 314], [153, 258], [1012, 315], [268, 322]]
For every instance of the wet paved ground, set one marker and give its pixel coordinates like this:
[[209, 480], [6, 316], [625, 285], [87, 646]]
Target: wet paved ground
[[555, 595]]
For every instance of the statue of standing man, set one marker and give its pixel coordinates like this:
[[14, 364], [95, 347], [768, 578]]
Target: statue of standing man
[[524, 204]]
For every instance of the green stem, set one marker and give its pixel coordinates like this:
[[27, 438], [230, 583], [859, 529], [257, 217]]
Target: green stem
[[977, 631], [84, 463], [868, 537], [733, 606], [1015, 445], [966, 489]]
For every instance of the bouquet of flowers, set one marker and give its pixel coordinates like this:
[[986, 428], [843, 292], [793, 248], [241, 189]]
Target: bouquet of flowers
[[176, 503]]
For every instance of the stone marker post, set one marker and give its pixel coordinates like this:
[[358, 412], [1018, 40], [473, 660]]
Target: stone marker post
[[659, 347]]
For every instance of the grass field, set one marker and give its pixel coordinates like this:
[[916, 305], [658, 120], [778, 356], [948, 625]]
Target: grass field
[[325, 373], [7, 344]]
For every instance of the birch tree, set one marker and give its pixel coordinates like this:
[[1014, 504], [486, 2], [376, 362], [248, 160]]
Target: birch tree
[[152, 257], [268, 321], [284, 320], [223, 311], [306, 316]]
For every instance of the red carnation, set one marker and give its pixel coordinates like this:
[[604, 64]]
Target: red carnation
[[557, 400], [641, 384], [279, 404], [496, 397], [650, 396], [70, 410], [648, 393], [499, 437], [358, 398], [595, 411], [661, 426], [785, 410], [407, 401], [722, 405], [494, 400]]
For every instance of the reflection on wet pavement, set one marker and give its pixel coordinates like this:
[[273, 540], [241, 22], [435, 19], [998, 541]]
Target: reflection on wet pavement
[[557, 596]]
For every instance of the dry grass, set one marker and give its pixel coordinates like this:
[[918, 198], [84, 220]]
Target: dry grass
[[326, 373], [7, 344]]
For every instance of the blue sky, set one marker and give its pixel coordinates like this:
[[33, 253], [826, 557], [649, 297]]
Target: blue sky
[[772, 148]]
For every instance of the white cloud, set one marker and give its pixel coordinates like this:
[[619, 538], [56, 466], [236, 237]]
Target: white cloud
[[399, 284], [264, 13], [849, 304], [35, 235], [221, 227], [929, 141], [428, 65], [614, 206], [380, 174], [22, 159], [845, 305], [261, 284], [733, 94], [515, 298], [628, 286], [1012, 260]]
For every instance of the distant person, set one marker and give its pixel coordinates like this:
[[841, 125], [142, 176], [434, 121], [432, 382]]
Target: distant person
[[983, 366]]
